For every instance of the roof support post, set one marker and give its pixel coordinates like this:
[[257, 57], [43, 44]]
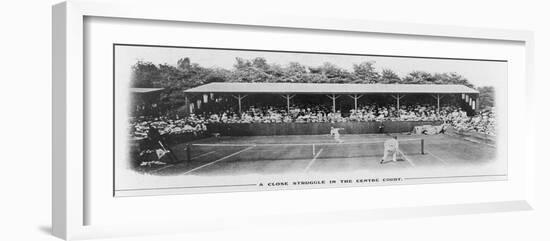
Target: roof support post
[[333, 97], [476, 104], [239, 97], [355, 97], [288, 97], [438, 97], [438, 102], [187, 109], [398, 97]]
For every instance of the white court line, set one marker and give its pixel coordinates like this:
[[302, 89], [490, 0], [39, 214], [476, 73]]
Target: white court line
[[407, 158], [204, 154], [313, 160], [438, 158], [221, 159], [162, 168], [171, 165]]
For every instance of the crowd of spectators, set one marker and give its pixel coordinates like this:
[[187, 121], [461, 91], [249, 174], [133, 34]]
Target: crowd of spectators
[[191, 125], [484, 122], [195, 124]]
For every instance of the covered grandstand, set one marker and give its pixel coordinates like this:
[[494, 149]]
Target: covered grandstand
[[145, 100], [333, 92]]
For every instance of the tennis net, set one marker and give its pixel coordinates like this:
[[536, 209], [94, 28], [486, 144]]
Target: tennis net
[[290, 151]]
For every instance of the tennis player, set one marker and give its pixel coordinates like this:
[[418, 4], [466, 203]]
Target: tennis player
[[157, 141], [335, 132], [391, 147]]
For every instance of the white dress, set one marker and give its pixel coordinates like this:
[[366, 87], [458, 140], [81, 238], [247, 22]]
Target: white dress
[[391, 146]]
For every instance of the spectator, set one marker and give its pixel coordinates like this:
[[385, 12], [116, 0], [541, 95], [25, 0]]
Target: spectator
[[484, 122]]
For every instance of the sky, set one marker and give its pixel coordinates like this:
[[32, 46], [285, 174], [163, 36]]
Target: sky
[[479, 73]]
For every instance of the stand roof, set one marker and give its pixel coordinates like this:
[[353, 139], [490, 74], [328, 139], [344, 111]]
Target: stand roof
[[325, 88]]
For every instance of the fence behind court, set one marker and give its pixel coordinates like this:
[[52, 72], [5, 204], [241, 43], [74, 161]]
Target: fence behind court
[[271, 129]]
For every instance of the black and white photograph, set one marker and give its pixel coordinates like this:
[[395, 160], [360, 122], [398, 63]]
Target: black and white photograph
[[198, 119]]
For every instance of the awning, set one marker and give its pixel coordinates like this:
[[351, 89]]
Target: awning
[[144, 90], [325, 88]]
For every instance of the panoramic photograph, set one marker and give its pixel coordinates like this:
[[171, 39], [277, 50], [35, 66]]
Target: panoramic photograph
[[194, 119]]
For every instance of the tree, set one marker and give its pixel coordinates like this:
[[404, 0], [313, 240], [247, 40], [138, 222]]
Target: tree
[[365, 73], [260, 64], [418, 77], [293, 72], [217, 75], [295, 68], [389, 77], [175, 78], [276, 73], [184, 64], [457, 79], [333, 74], [486, 97], [145, 75], [451, 78], [250, 71], [171, 76], [241, 63]]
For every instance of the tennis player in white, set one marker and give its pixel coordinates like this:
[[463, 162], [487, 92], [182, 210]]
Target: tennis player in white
[[335, 132], [391, 147]]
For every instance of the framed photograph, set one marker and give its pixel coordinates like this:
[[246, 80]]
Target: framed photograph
[[242, 119], [167, 120]]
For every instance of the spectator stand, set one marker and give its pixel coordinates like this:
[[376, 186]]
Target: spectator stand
[[145, 101], [196, 97]]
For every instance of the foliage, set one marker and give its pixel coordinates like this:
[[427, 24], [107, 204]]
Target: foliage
[[365, 73], [486, 97], [185, 74], [145, 74], [389, 77]]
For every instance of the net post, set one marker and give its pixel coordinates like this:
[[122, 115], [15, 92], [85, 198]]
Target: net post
[[188, 152], [313, 145], [422, 146]]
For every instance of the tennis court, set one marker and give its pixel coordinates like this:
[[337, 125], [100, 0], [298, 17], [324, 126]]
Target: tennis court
[[274, 155]]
